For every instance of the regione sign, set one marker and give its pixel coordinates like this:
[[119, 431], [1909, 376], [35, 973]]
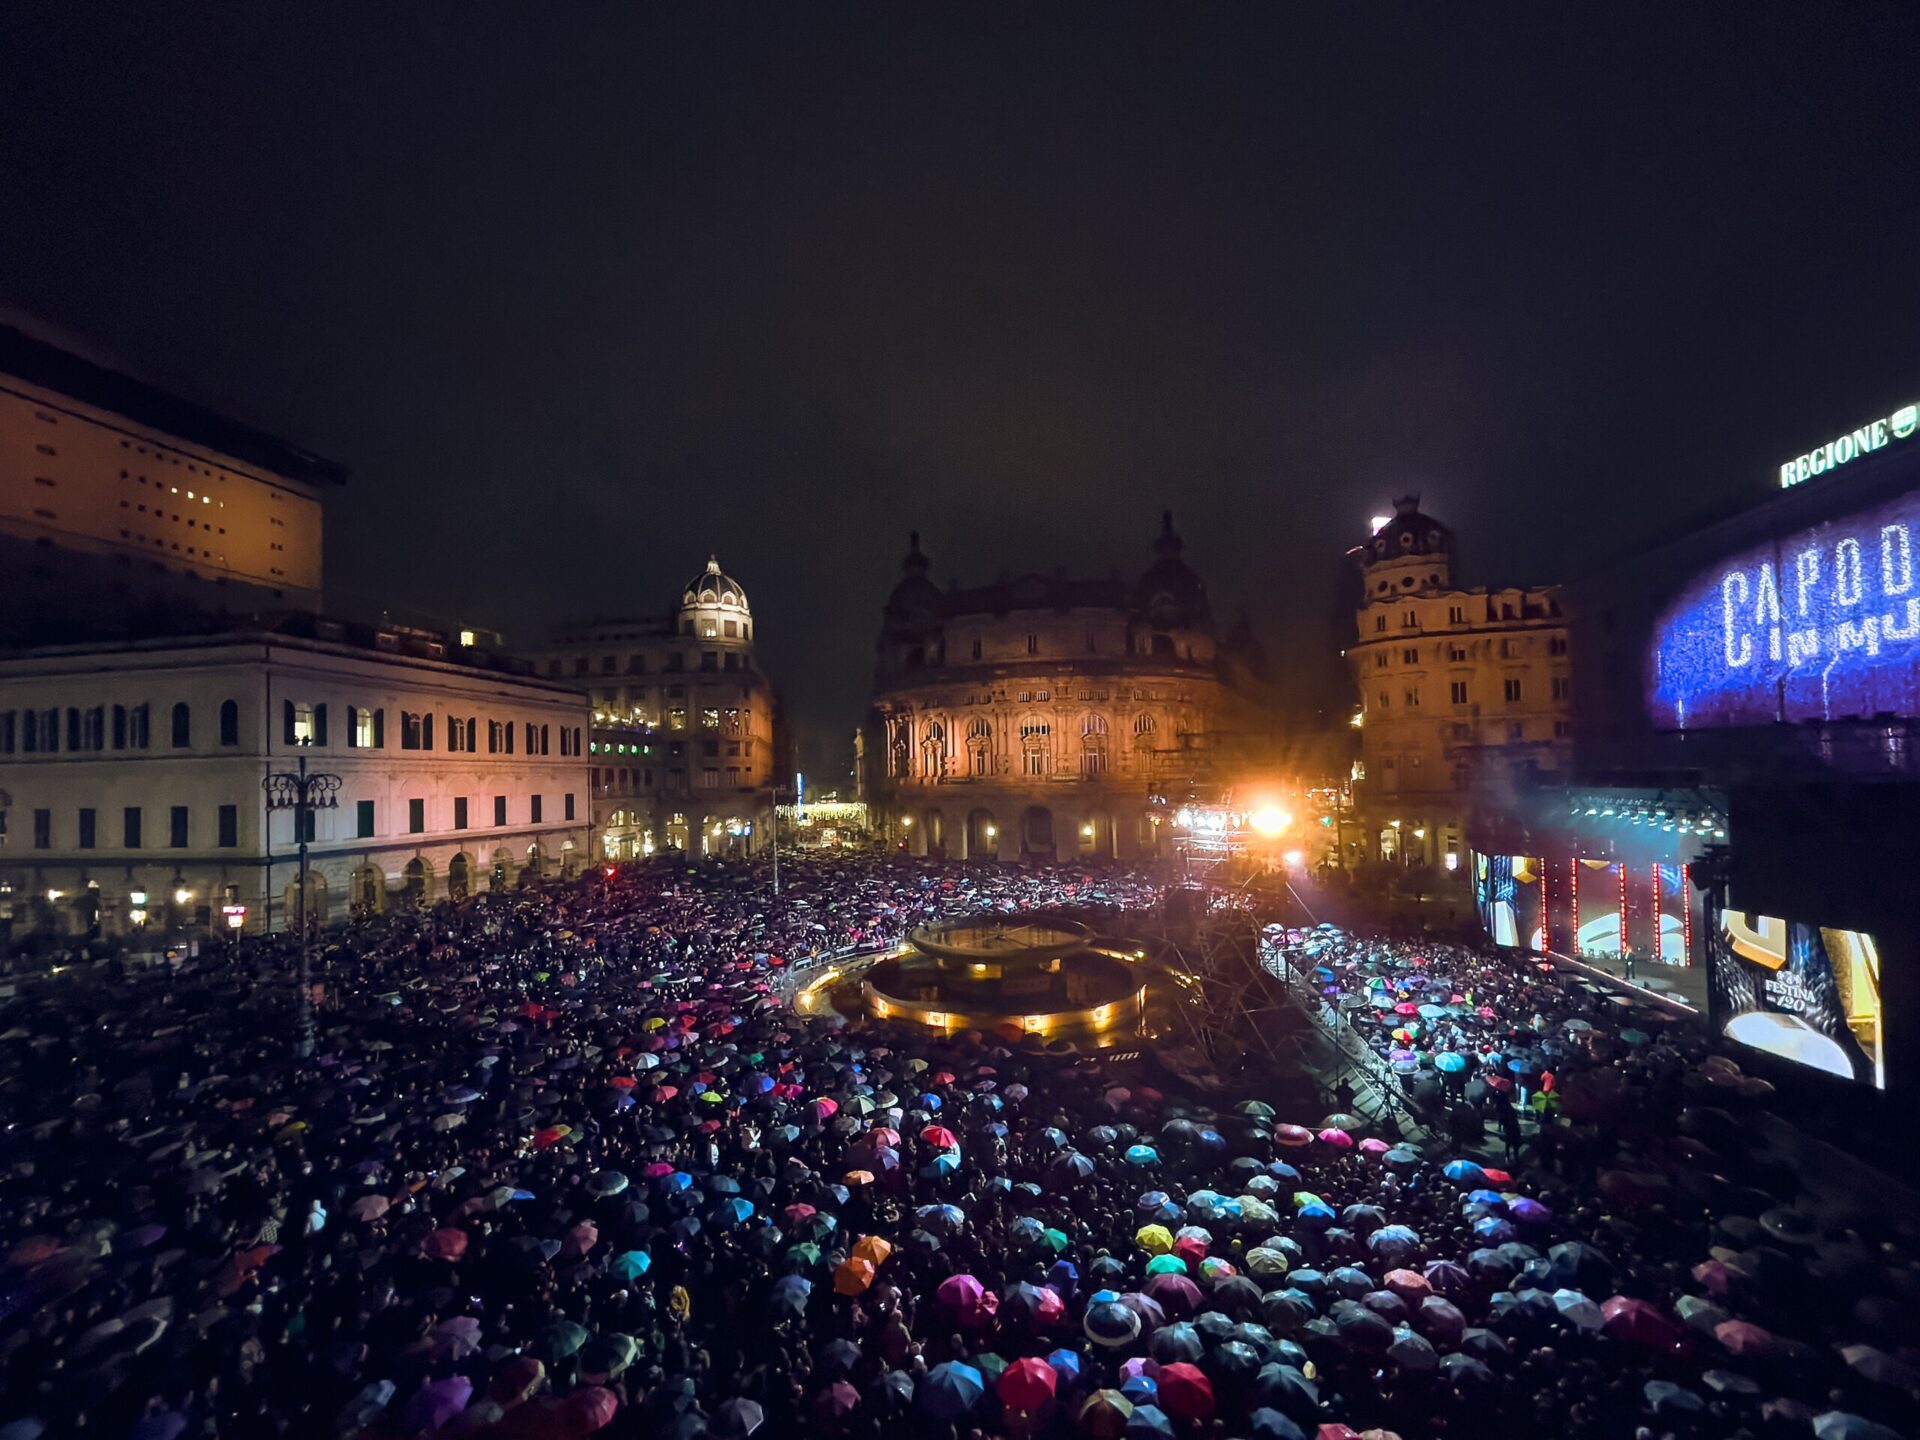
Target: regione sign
[[1851, 446], [1820, 624]]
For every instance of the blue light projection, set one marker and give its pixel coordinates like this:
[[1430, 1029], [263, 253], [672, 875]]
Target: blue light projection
[[1820, 624]]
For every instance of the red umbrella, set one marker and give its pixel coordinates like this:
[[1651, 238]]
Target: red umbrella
[[446, 1244], [940, 1137], [585, 1411], [1027, 1384], [1639, 1322], [1185, 1393]]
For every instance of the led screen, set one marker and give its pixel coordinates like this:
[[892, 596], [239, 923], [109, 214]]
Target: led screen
[[1598, 907], [1508, 890], [1669, 940], [1805, 993], [1820, 624]]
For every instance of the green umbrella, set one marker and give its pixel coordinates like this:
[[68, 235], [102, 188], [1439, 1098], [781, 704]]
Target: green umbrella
[[1166, 1265], [560, 1340], [1056, 1239], [806, 1252], [990, 1365]]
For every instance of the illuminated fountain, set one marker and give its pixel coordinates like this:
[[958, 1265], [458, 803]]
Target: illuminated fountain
[[1014, 975]]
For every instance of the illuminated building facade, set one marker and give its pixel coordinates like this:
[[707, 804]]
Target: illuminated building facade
[[1042, 715], [684, 753], [124, 509], [133, 802], [166, 649], [1745, 780], [1460, 690]]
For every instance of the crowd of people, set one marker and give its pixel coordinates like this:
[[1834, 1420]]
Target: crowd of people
[[566, 1162]]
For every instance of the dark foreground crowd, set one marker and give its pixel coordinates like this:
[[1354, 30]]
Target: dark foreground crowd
[[566, 1163]]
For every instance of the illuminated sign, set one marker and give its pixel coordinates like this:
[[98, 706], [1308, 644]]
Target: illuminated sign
[[1821, 624], [1837, 452]]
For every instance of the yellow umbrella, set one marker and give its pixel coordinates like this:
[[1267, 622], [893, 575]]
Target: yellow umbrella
[[1154, 1239]]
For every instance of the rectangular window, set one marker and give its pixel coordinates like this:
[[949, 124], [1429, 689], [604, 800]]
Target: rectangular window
[[6, 729], [1413, 699], [1457, 653], [1557, 645], [410, 730], [362, 736], [1379, 623], [459, 812], [1517, 731], [1456, 614], [86, 828], [1409, 620], [535, 811], [1033, 644], [1380, 660], [709, 659], [130, 827], [304, 732], [229, 821], [499, 809], [416, 817], [569, 809], [1458, 690], [709, 779], [1410, 655], [43, 829], [1513, 692], [1562, 687], [1561, 730], [364, 817], [177, 827]]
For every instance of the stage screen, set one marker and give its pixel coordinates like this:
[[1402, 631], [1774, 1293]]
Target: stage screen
[[1668, 941], [1820, 624], [1597, 907], [1508, 890], [1805, 993]]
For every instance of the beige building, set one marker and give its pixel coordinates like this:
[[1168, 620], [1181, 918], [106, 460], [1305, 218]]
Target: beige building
[[131, 778], [1457, 686], [684, 748], [122, 507], [1044, 715]]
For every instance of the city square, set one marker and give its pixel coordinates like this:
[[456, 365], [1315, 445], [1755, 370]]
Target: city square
[[724, 725]]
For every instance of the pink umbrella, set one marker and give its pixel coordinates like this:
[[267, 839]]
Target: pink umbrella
[[589, 1410], [1339, 1139], [581, 1238]]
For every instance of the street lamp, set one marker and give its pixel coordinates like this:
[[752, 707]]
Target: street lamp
[[302, 793]]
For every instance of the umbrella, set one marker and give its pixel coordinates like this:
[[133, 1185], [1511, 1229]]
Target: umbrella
[[1185, 1392], [438, 1401], [1148, 1422], [737, 1417], [1104, 1414], [630, 1265], [1109, 1322], [788, 1297], [606, 1182], [449, 1244], [1026, 1384], [1176, 1342], [950, 1390], [561, 1339], [1639, 1322]]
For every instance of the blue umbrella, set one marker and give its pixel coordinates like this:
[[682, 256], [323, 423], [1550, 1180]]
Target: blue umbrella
[[1142, 1155], [1464, 1172], [733, 1211], [1449, 1063], [1140, 1389], [789, 1295], [950, 1390], [1066, 1364], [1026, 1231], [1148, 1422], [946, 1218], [630, 1265]]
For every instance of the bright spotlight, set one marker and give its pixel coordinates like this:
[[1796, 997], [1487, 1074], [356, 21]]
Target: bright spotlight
[[1270, 819], [1295, 859], [1379, 523]]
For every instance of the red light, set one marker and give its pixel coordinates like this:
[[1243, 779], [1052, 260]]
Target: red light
[[609, 872]]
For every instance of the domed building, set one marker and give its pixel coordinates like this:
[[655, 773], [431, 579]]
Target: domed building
[[1042, 715], [684, 752]]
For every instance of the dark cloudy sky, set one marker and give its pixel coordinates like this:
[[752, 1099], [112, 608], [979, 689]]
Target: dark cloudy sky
[[582, 292]]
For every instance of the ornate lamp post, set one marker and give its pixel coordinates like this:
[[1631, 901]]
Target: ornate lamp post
[[302, 793]]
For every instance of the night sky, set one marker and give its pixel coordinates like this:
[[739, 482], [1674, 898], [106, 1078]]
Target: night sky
[[582, 293]]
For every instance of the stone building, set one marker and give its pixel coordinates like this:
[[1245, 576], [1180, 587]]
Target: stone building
[[123, 509], [1459, 688], [685, 747], [133, 796], [1050, 716], [164, 648]]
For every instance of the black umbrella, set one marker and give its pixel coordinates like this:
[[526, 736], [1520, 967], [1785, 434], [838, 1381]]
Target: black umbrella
[[1288, 1390]]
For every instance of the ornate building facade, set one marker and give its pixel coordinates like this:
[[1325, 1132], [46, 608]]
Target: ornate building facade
[[683, 752], [1042, 715], [1457, 686]]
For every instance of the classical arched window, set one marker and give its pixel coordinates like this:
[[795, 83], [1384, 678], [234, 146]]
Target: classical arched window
[[1036, 746], [900, 752], [1093, 744], [933, 750], [1143, 727], [980, 746], [229, 722]]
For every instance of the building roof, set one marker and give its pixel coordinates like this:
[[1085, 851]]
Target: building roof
[[39, 363], [713, 586]]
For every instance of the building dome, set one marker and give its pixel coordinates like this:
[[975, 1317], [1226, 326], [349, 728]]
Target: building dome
[[714, 587], [1408, 533], [1170, 594], [914, 606]]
